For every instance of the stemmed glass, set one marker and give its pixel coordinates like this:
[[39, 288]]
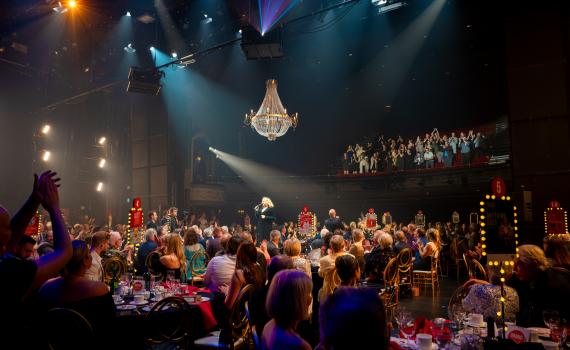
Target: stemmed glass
[[442, 335], [403, 318]]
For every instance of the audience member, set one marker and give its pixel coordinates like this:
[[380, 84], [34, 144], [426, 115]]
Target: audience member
[[25, 248], [348, 270], [273, 244], [357, 248], [378, 258], [174, 258], [333, 222], [247, 271], [353, 311], [292, 248], [257, 311], [327, 269], [192, 246], [214, 245], [99, 245], [427, 251], [401, 242], [287, 304], [557, 250], [539, 287], [74, 291], [149, 245], [221, 267], [152, 220], [25, 276]]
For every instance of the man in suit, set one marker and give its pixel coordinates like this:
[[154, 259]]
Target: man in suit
[[273, 245], [333, 222]]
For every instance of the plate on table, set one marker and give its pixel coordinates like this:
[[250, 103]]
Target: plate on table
[[119, 302], [477, 325], [126, 307], [139, 303]]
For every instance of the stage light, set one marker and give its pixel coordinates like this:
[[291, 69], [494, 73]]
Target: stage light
[[102, 140], [72, 4], [239, 31], [102, 163], [129, 48], [45, 129], [174, 55], [151, 48], [128, 14], [207, 19], [211, 149], [59, 9], [46, 156], [99, 187]]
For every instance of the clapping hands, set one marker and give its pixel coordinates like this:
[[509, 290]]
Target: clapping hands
[[45, 189]]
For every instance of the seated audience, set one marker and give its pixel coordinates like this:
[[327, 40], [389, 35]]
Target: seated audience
[[221, 268], [401, 242], [428, 251], [287, 304], [484, 297], [262, 254], [353, 311], [257, 311], [356, 248], [214, 245], [149, 245], [273, 245], [192, 246], [327, 268], [348, 270], [25, 276], [378, 258], [173, 258], [557, 250], [247, 271], [74, 291], [539, 287], [292, 248], [99, 245]]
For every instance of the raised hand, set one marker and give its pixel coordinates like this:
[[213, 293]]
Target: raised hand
[[47, 191]]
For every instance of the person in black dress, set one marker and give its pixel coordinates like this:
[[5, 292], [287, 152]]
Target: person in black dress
[[264, 213]]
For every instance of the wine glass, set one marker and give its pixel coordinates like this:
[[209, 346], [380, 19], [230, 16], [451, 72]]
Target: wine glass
[[403, 318], [442, 333]]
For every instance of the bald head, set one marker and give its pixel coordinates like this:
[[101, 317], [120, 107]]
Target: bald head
[[332, 213]]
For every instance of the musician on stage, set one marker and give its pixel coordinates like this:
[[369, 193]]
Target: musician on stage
[[265, 217]]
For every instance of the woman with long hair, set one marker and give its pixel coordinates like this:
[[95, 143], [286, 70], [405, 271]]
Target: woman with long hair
[[247, 271], [173, 258], [192, 246], [428, 251]]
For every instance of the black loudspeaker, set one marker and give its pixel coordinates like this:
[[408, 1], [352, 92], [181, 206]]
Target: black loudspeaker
[[144, 81], [256, 46]]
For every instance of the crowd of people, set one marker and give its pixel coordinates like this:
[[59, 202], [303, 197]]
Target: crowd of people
[[425, 152], [290, 309]]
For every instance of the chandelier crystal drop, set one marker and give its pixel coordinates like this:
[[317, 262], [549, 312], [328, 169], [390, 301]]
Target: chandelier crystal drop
[[271, 119]]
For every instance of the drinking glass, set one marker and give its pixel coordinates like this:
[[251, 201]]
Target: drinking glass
[[442, 333], [403, 318]]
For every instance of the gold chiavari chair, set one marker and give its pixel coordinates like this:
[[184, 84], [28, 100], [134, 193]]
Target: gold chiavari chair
[[404, 268], [428, 278], [389, 293]]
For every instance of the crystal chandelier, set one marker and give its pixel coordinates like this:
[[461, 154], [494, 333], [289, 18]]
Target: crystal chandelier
[[271, 120]]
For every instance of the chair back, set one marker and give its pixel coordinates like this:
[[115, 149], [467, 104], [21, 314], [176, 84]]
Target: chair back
[[78, 331], [239, 323], [113, 267], [477, 270], [168, 331], [257, 343], [149, 262], [391, 273], [404, 260], [455, 302]]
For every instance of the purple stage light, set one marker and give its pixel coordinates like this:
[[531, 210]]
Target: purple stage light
[[271, 12]]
